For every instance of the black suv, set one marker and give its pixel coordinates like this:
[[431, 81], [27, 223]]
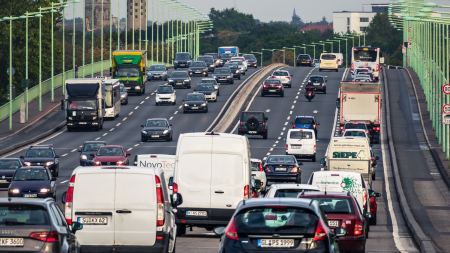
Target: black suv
[[182, 60], [36, 225], [305, 60], [253, 123], [42, 155]]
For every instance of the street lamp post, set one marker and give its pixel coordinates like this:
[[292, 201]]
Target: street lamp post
[[292, 48]]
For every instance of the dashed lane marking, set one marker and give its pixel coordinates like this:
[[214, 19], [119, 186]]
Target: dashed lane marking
[[137, 144], [171, 118], [147, 98], [105, 134], [63, 182], [124, 118], [118, 124], [179, 107], [73, 150], [64, 154], [131, 113], [142, 102], [112, 129], [137, 107], [98, 138], [292, 107], [290, 112], [129, 149], [176, 112]]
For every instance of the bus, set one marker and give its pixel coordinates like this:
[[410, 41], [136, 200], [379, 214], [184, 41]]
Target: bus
[[367, 57], [112, 98]]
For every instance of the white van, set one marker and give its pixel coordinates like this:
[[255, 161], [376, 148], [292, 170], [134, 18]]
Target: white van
[[123, 208], [301, 143], [340, 58], [342, 181], [212, 175], [157, 161], [329, 61]]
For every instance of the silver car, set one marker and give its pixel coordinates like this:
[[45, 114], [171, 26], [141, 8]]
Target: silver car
[[157, 72]]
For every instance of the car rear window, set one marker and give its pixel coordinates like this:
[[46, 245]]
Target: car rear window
[[179, 74], [335, 205], [272, 81], [288, 193], [300, 135], [158, 67], [9, 164], [23, 214], [198, 64], [110, 151], [315, 79], [328, 57], [304, 57], [247, 115], [286, 159], [303, 121], [222, 71], [279, 220], [280, 73], [355, 126], [355, 133], [254, 166]]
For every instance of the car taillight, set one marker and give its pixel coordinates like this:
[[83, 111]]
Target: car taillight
[[288, 77], [45, 236], [320, 233], [377, 67], [315, 148], [260, 167], [69, 200], [98, 163], [175, 187], [231, 231], [159, 202], [295, 169], [376, 129], [358, 229], [246, 192], [119, 163]]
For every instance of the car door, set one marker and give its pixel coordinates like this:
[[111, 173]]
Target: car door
[[67, 234]]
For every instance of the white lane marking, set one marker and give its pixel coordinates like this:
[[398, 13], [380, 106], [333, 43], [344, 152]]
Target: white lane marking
[[286, 123], [276, 142], [112, 129], [179, 107], [152, 93], [171, 118], [296, 97], [264, 158], [298, 93], [176, 112], [147, 98], [268, 153], [63, 182], [73, 150], [124, 118], [137, 107], [142, 102], [290, 112], [271, 149], [282, 133], [64, 155], [118, 124], [129, 149], [284, 128], [292, 107], [131, 113], [137, 144], [274, 145], [288, 118], [105, 134], [98, 138]]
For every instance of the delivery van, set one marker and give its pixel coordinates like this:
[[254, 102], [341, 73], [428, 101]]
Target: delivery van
[[212, 175], [301, 143], [157, 161], [122, 208]]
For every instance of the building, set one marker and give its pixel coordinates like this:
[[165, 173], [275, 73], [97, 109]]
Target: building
[[137, 14], [96, 6], [351, 21], [380, 8], [321, 27]]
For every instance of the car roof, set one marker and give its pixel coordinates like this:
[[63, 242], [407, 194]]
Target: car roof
[[309, 117], [112, 146], [354, 130], [252, 112], [280, 155], [294, 202], [33, 201], [93, 169], [41, 146], [294, 186], [316, 76]]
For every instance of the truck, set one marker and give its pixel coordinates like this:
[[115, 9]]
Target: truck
[[129, 66], [226, 52], [361, 103], [84, 103], [112, 98]]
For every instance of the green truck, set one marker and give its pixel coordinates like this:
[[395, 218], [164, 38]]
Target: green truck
[[129, 67]]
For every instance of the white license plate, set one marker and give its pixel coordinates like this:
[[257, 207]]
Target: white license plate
[[11, 242], [280, 169], [82, 123], [30, 195], [155, 136], [252, 132], [197, 213], [276, 243], [194, 107], [3, 181], [93, 220], [272, 90], [333, 223], [128, 88]]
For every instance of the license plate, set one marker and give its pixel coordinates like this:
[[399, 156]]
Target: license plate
[[272, 90], [276, 243], [183, 65], [280, 169], [3, 181], [194, 107], [93, 220], [128, 88], [82, 123], [197, 213], [11, 242], [333, 223], [296, 146], [155, 136], [252, 132], [316, 84], [198, 72], [30, 195]]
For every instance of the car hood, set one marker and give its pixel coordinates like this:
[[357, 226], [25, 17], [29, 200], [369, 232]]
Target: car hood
[[30, 185], [154, 129], [205, 92], [197, 68], [109, 158], [38, 159], [6, 173], [223, 74]]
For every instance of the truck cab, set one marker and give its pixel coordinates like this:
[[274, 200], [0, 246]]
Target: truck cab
[[129, 67]]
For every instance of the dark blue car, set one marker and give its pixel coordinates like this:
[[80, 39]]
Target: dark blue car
[[306, 122]]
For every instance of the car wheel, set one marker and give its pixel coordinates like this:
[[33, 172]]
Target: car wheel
[[373, 176], [325, 91], [170, 138], [262, 94], [337, 70], [239, 78], [206, 111], [143, 139], [320, 70], [174, 102], [373, 220], [282, 94], [126, 102], [232, 82], [265, 135], [299, 179], [314, 158], [181, 230]]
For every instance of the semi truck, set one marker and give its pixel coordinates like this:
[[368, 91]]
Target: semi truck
[[84, 103], [225, 53], [361, 103], [129, 66]]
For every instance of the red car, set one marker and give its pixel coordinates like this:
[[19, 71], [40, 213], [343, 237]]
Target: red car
[[342, 210], [111, 155], [272, 86]]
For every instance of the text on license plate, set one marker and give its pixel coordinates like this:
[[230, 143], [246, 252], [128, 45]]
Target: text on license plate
[[155, 136], [296, 146], [93, 220], [196, 213], [276, 243], [11, 242], [333, 223], [33, 195], [280, 169]]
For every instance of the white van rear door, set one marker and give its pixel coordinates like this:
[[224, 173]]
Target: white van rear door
[[135, 209], [303, 141], [93, 205]]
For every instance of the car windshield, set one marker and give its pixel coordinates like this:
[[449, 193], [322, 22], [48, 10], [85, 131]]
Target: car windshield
[[248, 115], [281, 159], [304, 121], [179, 74], [9, 164], [222, 71], [276, 220], [250, 57], [128, 71], [272, 81], [355, 133], [204, 87], [288, 193], [156, 123], [316, 79], [328, 57], [31, 175], [195, 97], [206, 59], [255, 166], [12, 214], [39, 152], [182, 57], [198, 64], [335, 205], [158, 68], [231, 65], [82, 105], [110, 151], [165, 89], [301, 135], [92, 147], [280, 73], [238, 62]]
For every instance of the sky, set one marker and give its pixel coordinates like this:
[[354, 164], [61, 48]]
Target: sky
[[264, 10]]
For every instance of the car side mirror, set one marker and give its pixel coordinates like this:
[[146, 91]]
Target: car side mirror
[[340, 232], [177, 199], [63, 197], [219, 231], [76, 226]]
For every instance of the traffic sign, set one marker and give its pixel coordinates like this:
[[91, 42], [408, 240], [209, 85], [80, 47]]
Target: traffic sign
[[446, 114], [446, 88], [446, 119], [446, 109]]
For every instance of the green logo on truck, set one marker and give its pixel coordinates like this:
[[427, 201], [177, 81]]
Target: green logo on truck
[[345, 155]]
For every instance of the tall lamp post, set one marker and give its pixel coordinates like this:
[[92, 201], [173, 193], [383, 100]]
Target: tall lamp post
[[292, 48]]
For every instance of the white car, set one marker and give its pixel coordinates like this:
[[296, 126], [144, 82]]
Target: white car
[[301, 143], [240, 58], [242, 66], [356, 133], [363, 78], [258, 172], [284, 76], [288, 190], [165, 94], [208, 90]]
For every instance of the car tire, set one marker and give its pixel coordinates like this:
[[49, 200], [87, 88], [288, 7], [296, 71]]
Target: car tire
[[143, 139], [181, 230], [282, 94], [313, 159], [265, 136], [373, 220], [232, 82], [373, 176], [239, 78], [206, 111], [299, 179], [262, 94], [174, 102], [320, 70], [170, 138]]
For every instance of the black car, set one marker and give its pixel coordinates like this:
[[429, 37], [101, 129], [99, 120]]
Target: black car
[[195, 102], [282, 168], [278, 225], [251, 60], [217, 61], [8, 167], [180, 79], [156, 129], [88, 151], [35, 225], [223, 75], [319, 83], [305, 60], [234, 67], [42, 155], [209, 60], [198, 68], [182, 60], [32, 182], [253, 123]]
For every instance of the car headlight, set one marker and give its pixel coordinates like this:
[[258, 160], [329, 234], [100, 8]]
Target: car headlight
[[186, 105], [14, 191], [83, 157], [166, 131], [27, 163], [49, 163], [144, 132], [237, 71], [212, 65], [186, 80], [137, 87], [204, 104], [171, 80], [120, 163], [44, 190], [122, 96], [70, 118], [98, 163]]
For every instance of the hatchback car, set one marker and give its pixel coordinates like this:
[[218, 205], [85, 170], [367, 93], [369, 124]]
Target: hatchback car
[[282, 168], [306, 122], [288, 190], [305, 60], [223, 75], [157, 72], [123, 94], [319, 83], [35, 225], [42, 155], [180, 79], [165, 94], [198, 68], [209, 60], [217, 61], [284, 76], [213, 82], [195, 102], [156, 129], [111, 155], [253, 123], [208, 90], [88, 150], [234, 67], [241, 64], [251, 60], [342, 211], [8, 167], [272, 86], [278, 225], [32, 182]]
